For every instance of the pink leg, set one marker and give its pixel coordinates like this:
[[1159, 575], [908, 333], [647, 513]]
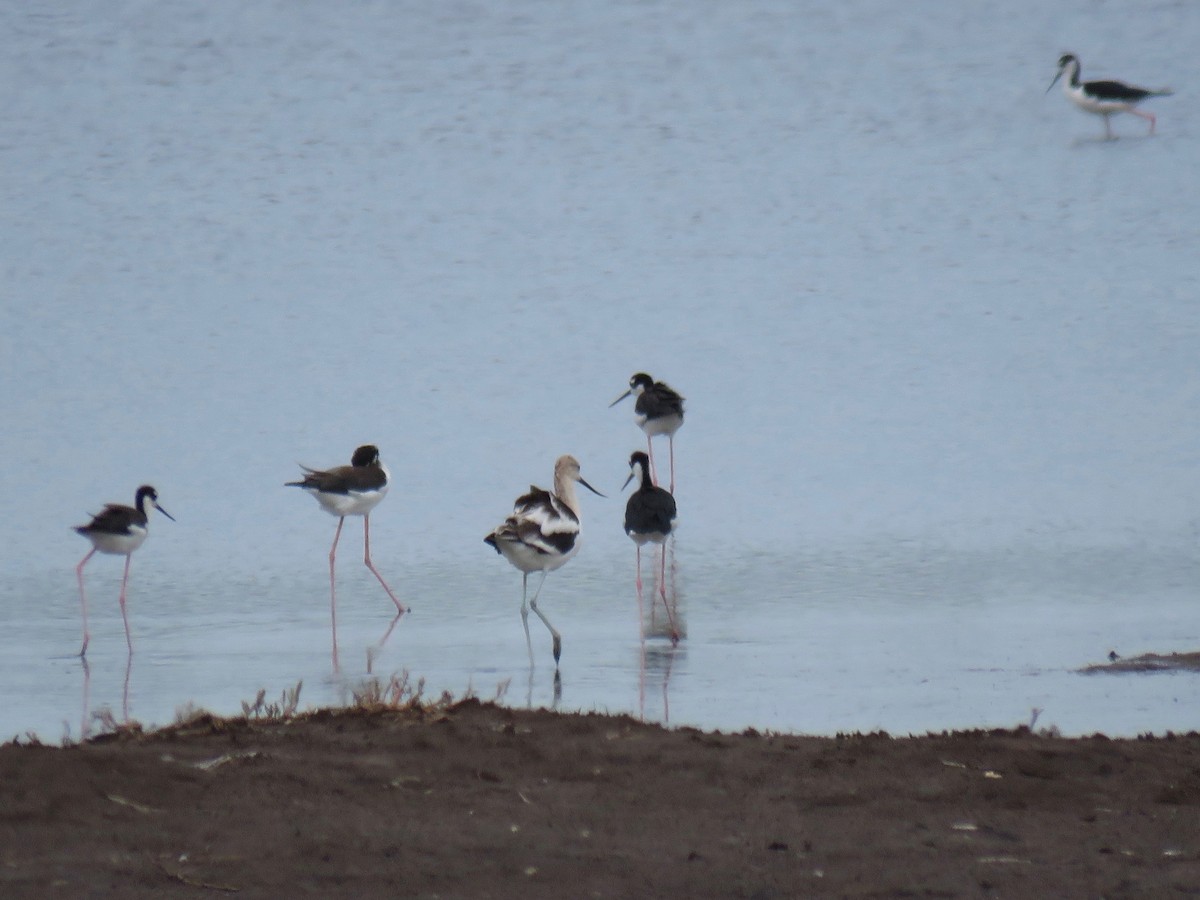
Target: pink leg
[[332, 592], [650, 453], [1147, 116], [662, 573], [639, 569], [83, 598], [400, 610], [124, 615], [662, 586], [671, 445], [641, 613]]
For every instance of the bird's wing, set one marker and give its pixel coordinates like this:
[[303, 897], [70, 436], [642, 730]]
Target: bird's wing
[[1117, 90], [114, 517], [659, 400], [342, 480]]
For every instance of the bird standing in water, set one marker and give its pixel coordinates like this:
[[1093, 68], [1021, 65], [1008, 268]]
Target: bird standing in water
[[649, 518], [352, 490], [118, 530], [541, 535], [658, 410], [1104, 98]]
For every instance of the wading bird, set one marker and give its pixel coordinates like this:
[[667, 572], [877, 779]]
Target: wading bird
[[352, 490], [118, 530], [1104, 98], [649, 518], [541, 535], [658, 410]]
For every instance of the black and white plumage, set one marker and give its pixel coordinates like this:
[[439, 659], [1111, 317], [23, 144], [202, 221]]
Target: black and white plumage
[[541, 535], [650, 518], [1103, 98], [657, 410], [352, 490], [650, 512], [118, 530]]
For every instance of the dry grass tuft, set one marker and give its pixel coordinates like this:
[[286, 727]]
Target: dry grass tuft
[[398, 693], [283, 708]]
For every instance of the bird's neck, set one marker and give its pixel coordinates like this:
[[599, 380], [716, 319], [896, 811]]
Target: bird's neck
[[1072, 79], [564, 489]]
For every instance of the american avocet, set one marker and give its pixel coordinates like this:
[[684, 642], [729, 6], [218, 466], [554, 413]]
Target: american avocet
[[649, 518], [541, 535], [1104, 98], [352, 490], [657, 410], [118, 530]]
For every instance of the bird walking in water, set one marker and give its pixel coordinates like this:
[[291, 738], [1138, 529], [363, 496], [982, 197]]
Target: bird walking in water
[[541, 535], [1104, 98], [352, 490], [658, 410], [118, 530], [649, 518]]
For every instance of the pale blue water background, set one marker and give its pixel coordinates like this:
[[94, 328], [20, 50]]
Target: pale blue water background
[[939, 347]]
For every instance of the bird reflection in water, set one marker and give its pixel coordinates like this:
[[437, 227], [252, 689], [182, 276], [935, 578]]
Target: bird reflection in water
[[108, 722]]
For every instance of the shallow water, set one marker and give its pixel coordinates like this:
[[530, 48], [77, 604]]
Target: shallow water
[[914, 639], [937, 342]]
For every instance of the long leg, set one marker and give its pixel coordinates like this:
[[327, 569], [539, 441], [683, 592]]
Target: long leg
[[525, 616], [1108, 127], [650, 453], [662, 586], [333, 591], [541, 615], [662, 574], [1147, 116], [83, 598], [124, 615], [400, 610], [671, 446], [641, 613]]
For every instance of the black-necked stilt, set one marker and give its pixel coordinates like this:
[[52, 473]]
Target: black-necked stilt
[[352, 490], [541, 535], [649, 518], [118, 530], [658, 410], [1104, 98]]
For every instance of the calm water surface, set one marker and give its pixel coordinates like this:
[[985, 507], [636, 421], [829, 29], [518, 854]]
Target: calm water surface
[[917, 639], [938, 345]]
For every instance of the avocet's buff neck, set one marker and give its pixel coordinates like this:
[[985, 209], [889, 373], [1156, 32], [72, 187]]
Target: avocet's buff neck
[[566, 474]]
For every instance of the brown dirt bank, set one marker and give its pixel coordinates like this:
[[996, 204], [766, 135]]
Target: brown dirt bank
[[483, 801]]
